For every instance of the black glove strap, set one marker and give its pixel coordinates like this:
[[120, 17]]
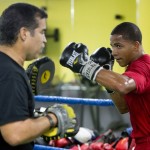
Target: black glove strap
[[110, 91], [52, 124]]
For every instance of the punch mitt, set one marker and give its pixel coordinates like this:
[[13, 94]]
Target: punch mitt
[[40, 73], [67, 122]]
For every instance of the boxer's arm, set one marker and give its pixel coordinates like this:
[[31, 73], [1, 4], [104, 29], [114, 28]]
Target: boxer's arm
[[120, 84], [119, 102], [116, 82]]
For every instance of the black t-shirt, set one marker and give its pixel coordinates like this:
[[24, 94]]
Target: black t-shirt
[[16, 98]]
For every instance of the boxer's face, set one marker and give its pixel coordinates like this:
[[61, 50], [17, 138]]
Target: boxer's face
[[122, 50]]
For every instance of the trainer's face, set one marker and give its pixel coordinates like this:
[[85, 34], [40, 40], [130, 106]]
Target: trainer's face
[[36, 41], [122, 50]]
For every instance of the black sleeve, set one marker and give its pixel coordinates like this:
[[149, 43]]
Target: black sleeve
[[14, 104]]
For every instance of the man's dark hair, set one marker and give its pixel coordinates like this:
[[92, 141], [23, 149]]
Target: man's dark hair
[[16, 16], [129, 31]]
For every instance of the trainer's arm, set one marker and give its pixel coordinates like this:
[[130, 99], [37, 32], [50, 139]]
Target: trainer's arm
[[120, 84], [21, 132]]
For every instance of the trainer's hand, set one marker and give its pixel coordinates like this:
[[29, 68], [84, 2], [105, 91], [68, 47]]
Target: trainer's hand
[[67, 122], [75, 56]]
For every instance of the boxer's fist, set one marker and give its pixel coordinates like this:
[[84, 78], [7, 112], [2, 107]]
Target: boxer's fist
[[112, 60], [75, 56], [103, 57]]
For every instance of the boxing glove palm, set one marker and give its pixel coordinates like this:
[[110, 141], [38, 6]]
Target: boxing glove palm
[[75, 56]]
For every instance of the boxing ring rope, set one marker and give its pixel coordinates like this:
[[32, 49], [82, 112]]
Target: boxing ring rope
[[41, 147], [69, 100]]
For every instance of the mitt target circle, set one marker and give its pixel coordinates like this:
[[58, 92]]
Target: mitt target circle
[[45, 76]]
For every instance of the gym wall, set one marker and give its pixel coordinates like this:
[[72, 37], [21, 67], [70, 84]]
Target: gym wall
[[143, 21], [89, 22]]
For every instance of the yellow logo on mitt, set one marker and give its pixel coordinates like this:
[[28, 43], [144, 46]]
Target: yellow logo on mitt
[[45, 76]]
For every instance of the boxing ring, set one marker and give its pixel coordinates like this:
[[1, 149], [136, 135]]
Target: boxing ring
[[69, 100]]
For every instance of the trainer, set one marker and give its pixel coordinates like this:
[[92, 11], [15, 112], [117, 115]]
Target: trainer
[[22, 37]]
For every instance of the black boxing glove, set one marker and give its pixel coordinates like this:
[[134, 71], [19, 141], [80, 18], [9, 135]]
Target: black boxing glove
[[112, 60], [103, 56], [75, 57]]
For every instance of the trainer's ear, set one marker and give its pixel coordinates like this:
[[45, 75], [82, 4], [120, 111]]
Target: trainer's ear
[[23, 33]]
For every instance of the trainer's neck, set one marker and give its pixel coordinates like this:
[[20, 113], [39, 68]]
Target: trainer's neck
[[12, 53]]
